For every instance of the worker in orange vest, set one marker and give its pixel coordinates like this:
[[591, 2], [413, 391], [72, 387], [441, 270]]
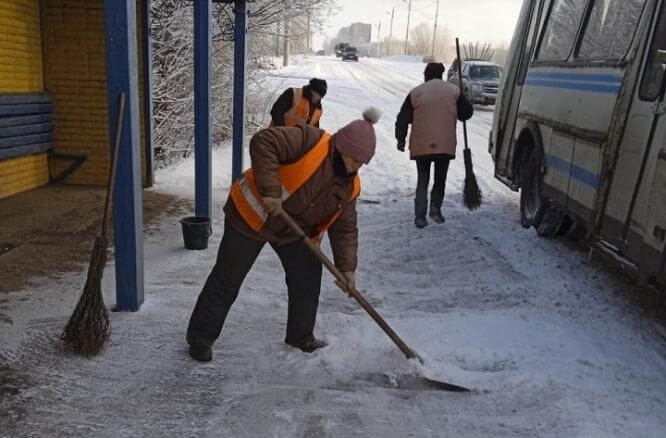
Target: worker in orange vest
[[312, 175], [299, 106]]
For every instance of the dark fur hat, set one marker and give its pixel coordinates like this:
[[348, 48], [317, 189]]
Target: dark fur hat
[[318, 85], [434, 70]]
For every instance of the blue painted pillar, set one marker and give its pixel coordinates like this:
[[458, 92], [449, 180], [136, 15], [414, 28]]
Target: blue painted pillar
[[122, 76], [203, 186], [240, 86], [147, 91]]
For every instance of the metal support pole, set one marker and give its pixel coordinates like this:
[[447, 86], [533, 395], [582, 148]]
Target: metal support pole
[[122, 77], [203, 187], [240, 81], [147, 90]]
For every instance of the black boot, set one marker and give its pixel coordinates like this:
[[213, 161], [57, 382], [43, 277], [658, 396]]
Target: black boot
[[201, 352], [436, 215], [420, 222], [309, 344]]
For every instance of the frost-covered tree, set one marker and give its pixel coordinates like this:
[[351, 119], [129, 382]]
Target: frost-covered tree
[[173, 65]]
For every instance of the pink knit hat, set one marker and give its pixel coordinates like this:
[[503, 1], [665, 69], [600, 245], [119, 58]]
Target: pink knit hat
[[357, 139]]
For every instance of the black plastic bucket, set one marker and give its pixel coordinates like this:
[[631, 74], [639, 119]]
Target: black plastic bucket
[[196, 231]]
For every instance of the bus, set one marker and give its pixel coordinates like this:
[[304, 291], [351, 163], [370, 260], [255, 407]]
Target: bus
[[579, 126]]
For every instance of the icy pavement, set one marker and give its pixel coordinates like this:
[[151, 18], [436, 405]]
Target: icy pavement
[[551, 344]]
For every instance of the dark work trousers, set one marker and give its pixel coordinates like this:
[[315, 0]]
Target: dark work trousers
[[437, 193], [235, 257]]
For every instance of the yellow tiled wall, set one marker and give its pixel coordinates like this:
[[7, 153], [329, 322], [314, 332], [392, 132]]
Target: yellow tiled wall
[[21, 72], [75, 75], [20, 47], [23, 173]]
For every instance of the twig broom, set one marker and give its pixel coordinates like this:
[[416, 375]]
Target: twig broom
[[89, 329], [472, 195]]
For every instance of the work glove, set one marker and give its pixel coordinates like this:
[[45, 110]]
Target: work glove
[[273, 206], [350, 277], [401, 146]]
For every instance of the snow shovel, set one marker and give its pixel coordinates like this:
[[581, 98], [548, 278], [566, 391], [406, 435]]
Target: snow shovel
[[341, 280]]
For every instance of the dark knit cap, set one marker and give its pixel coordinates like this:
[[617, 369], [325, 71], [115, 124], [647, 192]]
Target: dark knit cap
[[434, 70], [318, 85]]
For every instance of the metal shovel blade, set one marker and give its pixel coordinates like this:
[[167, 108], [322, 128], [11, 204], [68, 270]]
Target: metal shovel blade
[[434, 384], [410, 382]]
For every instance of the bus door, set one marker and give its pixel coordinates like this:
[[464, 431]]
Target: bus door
[[635, 205], [509, 98], [652, 252]]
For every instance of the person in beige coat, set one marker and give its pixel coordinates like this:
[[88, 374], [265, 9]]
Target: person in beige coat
[[432, 109]]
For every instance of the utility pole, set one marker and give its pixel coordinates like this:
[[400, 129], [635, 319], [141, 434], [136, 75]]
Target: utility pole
[[307, 43], [391, 32], [285, 47], [379, 29], [434, 34], [277, 39], [409, 14]]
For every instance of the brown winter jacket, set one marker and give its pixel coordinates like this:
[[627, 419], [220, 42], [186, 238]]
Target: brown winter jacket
[[316, 200]]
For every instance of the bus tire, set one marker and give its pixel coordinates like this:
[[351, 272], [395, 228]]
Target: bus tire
[[551, 222], [532, 204]]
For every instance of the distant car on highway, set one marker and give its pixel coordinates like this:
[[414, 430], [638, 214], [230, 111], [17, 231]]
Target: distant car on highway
[[350, 54], [321, 52], [339, 48]]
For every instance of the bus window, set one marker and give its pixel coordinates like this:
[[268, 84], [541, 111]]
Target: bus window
[[653, 69], [610, 29], [561, 29], [529, 43]]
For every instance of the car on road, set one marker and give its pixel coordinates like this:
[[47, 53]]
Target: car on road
[[481, 80], [321, 52], [339, 48], [350, 53]]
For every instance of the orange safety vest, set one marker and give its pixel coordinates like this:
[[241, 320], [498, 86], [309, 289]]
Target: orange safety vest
[[300, 110], [249, 203]]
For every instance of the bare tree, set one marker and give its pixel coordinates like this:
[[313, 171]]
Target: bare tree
[[420, 39], [421, 42]]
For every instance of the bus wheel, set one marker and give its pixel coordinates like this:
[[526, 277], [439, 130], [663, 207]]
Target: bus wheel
[[551, 222], [532, 204]]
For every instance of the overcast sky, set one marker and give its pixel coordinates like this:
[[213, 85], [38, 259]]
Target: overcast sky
[[470, 20]]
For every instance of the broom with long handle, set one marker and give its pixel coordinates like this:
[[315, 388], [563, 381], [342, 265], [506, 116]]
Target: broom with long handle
[[89, 329], [341, 281], [472, 195]]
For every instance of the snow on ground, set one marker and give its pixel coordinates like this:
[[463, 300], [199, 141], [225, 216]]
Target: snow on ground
[[550, 343]]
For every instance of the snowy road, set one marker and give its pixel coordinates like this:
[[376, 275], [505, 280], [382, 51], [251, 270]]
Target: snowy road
[[552, 345]]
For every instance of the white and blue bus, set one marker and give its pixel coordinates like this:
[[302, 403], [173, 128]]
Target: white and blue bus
[[579, 125]]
